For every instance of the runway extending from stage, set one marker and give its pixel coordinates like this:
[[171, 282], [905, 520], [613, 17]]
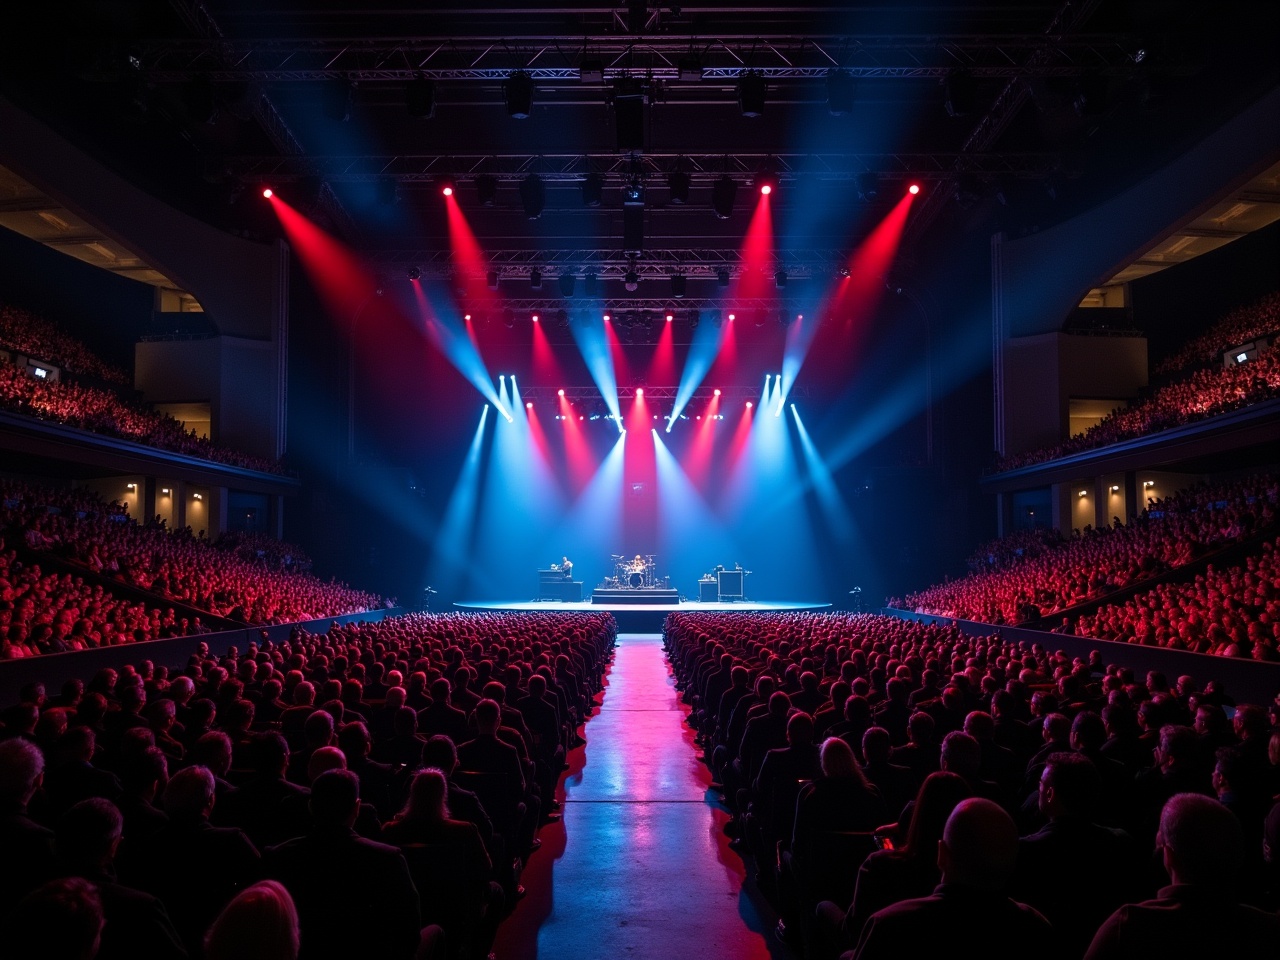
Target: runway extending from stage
[[641, 617]]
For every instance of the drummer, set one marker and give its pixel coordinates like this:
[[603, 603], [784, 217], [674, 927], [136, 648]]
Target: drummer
[[638, 563]]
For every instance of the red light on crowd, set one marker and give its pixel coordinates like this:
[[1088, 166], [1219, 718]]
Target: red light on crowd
[[913, 189], [268, 192]]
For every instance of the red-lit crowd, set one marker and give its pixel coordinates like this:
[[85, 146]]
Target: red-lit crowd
[[901, 789], [44, 612], [1208, 391], [1030, 575], [91, 407], [370, 792]]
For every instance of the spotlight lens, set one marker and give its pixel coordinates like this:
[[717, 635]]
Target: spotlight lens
[[268, 192], [466, 317], [639, 392], [535, 318], [750, 404], [766, 189], [606, 318], [717, 392], [913, 189], [732, 317], [561, 392], [669, 318], [447, 191], [529, 405]]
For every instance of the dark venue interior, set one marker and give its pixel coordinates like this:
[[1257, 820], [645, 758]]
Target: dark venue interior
[[757, 481]]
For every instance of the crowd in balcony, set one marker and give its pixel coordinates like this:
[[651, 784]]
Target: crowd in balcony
[[1231, 611], [374, 791], [1207, 390], [1030, 576], [78, 527], [92, 407]]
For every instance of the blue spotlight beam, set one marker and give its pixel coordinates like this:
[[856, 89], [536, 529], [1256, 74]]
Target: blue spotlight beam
[[702, 353], [834, 510], [593, 344], [452, 544], [447, 330]]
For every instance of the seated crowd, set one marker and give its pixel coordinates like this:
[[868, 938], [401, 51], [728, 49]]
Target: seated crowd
[[369, 792], [1235, 329], [78, 526], [1207, 392], [1232, 612], [32, 335], [1018, 584], [89, 406], [902, 787]]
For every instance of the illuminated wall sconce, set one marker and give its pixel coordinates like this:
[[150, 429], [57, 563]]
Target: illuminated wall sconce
[[1115, 488], [131, 486], [1084, 493], [165, 491], [1148, 483], [197, 496]]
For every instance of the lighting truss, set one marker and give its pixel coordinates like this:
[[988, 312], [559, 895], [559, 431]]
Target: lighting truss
[[617, 170], [728, 393], [668, 60]]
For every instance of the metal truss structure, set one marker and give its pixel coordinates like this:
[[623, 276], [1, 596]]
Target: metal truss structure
[[602, 58], [658, 394], [615, 169]]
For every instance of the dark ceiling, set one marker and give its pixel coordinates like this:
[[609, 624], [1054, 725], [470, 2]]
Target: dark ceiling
[[1010, 115]]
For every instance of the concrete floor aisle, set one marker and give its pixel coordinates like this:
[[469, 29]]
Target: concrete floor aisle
[[639, 867]]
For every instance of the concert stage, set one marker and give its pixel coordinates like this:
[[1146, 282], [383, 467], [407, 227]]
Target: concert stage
[[639, 617]]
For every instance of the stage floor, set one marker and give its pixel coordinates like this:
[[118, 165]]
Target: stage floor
[[639, 617]]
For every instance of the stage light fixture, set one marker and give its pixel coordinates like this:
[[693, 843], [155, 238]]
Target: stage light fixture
[[843, 273], [715, 392], [534, 318], [694, 318], [780, 279], [518, 91], [678, 183], [338, 97], [750, 404], [487, 190], [533, 196], [567, 282], [446, 186], [535, 279], [670, 317], [868, 185], [592, 190], [491, 279], [528, 405], [723, 194], [631, 281], [639, 393], [767, 179], [633, 194], [629, 98], [913, 189], [560, 392], [752, 90], [268, 192], [466, 317], [590, 285], [420, 98], [678, 285], [509, 320], [415, 273], [840, 91]]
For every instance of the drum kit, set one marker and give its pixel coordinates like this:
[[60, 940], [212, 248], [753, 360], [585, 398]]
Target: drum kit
[[637, 572]]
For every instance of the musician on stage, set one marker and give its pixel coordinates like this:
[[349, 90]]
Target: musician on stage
[[566, 567], [638, 563]]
